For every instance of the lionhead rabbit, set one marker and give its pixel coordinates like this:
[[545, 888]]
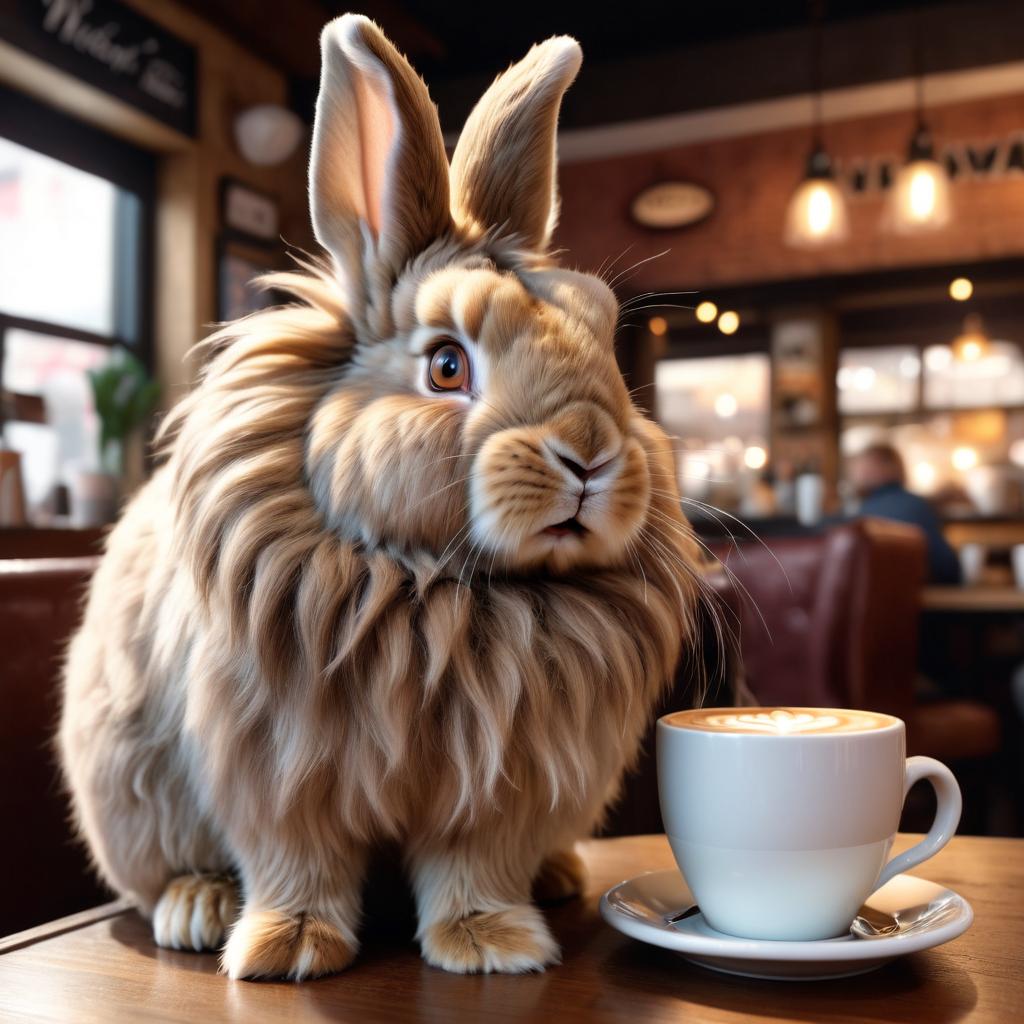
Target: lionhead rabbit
[[412, 571]]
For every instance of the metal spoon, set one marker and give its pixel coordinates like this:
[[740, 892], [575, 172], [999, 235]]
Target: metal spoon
[[683, 914], [871, 923], [905, 921]]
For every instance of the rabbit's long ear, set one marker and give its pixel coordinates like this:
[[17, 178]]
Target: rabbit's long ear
[[378, 175], [504, 170]]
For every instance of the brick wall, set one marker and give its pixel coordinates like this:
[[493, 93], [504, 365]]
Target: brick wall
[[752, 178]]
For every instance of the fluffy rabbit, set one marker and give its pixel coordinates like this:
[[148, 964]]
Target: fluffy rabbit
[[412, 570]]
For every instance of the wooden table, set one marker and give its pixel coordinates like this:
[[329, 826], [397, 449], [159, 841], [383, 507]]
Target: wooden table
[[979, 598], [103, 966]]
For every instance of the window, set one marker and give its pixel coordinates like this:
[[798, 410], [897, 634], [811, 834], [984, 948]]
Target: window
[[53, 369], [878, 379], [951, 453], [74, 215], [716, 410], [954, 410], [61, 228], [985, 375]]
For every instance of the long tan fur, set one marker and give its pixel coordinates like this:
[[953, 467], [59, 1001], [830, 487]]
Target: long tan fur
[[334, 617]]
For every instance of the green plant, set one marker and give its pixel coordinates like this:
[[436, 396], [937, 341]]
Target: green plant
[[124, 395]]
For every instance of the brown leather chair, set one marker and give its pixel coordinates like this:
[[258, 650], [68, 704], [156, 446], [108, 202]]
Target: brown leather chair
[[831, 619], [46, 874]]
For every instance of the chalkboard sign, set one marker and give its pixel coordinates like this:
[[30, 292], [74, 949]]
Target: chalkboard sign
[[112, 47]]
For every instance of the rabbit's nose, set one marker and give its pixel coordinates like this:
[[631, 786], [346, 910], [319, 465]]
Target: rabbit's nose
[[582, 469], [584, 473], [582, 439]]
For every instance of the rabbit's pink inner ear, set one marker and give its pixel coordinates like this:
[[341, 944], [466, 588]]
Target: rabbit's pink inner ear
[[377, 130], [378, 173]]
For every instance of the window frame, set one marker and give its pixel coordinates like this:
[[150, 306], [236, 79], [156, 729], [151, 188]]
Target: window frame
[[31, 124], [908, 326]]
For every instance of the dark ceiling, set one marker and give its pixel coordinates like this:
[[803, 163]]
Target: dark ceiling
[[484, 37], [653, 59]]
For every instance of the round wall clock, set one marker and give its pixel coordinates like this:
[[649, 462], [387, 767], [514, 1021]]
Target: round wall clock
[[672, 204]]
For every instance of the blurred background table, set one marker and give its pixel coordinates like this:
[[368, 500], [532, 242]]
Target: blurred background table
[[1006, 599], [102, 966]]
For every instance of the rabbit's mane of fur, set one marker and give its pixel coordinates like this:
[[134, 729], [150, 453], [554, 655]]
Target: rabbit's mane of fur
[[303, 641], [348, 664]]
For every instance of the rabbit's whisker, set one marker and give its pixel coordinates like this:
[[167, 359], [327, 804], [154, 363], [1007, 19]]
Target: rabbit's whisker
[[733, 578], [657, 305], [441, 490], [714, 512], [611, 266], [639, 263], [651, 295]]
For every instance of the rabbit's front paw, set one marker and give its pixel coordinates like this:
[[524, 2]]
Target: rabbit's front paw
[[561, 876], [195, 912], [510, 941], [271, 944]]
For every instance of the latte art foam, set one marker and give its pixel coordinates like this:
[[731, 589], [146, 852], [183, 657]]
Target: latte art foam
[[780, 721]]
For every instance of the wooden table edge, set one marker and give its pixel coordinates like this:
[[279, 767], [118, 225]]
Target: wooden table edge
[[973, 598], [93, 915], [84, 918]]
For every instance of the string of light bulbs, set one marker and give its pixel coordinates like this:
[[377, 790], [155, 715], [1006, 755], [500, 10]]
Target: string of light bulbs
[[919, 197]]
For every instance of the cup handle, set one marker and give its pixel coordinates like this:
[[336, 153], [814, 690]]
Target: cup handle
[[947, 815]]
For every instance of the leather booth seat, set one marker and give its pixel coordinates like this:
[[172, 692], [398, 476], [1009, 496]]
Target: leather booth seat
[[831, 619], [955, 730], [46, 873]]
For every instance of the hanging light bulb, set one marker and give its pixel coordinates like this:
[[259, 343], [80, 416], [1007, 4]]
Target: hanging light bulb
[[729, 322], [961, 289], [706, 312], [919, 199], [973, 342], [816, 215], [817, 212]]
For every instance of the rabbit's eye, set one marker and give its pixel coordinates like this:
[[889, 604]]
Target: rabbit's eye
[[449, 368]]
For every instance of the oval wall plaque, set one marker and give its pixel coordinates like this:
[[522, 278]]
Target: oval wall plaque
[[672, 204]]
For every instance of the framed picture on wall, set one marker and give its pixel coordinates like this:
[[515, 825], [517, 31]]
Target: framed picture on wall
[[247, 214], [238, 266], [798, 359]]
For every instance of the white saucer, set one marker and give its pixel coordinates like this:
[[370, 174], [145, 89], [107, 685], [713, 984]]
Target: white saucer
[[641, 907]]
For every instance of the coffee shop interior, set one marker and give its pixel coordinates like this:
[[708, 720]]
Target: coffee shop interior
[[811, 214]]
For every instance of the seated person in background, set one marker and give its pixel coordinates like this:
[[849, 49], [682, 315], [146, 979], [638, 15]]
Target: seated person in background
[[878, 477]]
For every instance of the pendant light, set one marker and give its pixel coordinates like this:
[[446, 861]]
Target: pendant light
[[817, 211], [972, 343], [919, 200], [816, 215]]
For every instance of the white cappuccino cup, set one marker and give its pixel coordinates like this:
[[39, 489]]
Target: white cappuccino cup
[[782, 819]]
